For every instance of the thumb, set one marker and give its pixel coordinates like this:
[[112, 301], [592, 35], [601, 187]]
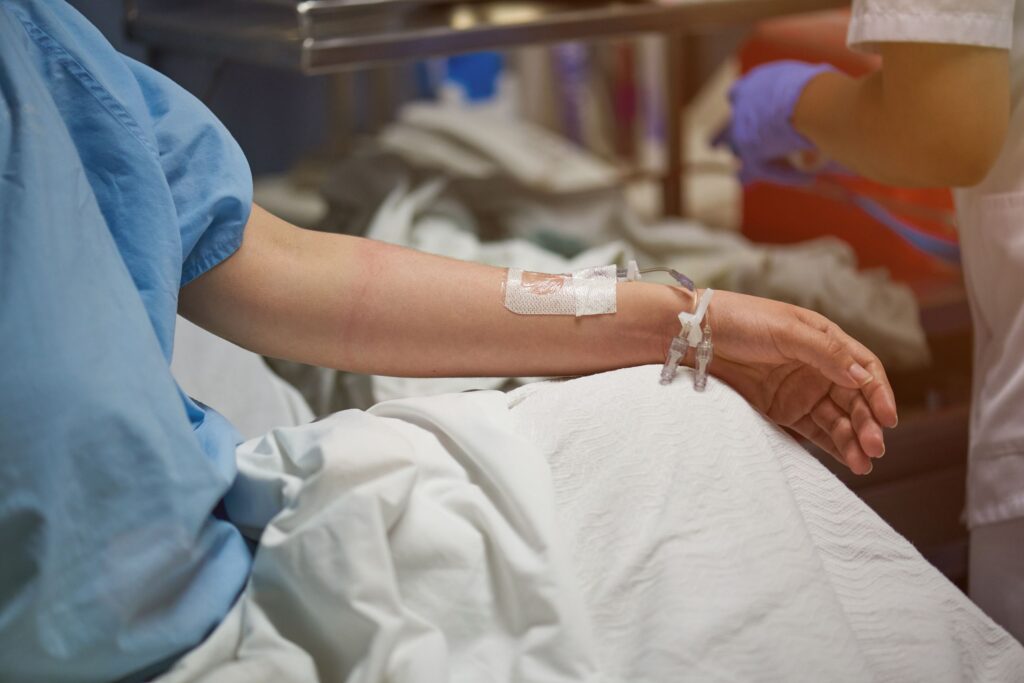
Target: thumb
[[828, 350]]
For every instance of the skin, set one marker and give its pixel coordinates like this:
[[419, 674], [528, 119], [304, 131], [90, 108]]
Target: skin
[[355, 304], [933, 116]]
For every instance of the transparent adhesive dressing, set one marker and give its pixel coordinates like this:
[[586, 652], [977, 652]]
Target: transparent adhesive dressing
[[592, 291]]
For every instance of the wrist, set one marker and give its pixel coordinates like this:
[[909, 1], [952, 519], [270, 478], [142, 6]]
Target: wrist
[[683, 301], [664, 303], [807, 119], [694, 336]]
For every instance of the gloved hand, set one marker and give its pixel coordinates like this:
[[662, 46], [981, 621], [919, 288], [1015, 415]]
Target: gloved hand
[[761, 132]]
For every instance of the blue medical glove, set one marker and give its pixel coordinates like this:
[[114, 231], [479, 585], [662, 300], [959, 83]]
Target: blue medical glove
[[761, 131]]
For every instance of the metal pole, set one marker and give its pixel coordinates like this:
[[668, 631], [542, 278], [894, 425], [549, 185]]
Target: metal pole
[[673, 203]]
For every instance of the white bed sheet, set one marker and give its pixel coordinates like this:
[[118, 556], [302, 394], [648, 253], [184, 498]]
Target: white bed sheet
[[710, 547], [600, 529]]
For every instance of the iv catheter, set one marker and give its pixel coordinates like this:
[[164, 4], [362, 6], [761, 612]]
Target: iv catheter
[[628, 274]]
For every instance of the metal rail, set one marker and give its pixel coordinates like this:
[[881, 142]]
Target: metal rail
[[334, 36], [323, 36]]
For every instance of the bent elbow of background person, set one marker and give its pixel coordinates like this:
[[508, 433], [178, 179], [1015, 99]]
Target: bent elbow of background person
[[962, 153], [948, 109], [954, 165]]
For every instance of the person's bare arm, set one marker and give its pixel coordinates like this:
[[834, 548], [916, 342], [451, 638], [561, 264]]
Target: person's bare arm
[[933, 116], [356, 304], [366, 306]]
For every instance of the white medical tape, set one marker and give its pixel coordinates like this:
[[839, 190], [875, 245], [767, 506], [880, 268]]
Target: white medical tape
[[592, 291], [695, 319], [596, 290], [633, 272]]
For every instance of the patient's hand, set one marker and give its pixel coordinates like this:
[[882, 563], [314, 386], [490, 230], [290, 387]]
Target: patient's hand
[[805, 373]]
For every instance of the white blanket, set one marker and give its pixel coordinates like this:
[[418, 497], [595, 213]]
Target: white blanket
[[605, 528], [236, 381]]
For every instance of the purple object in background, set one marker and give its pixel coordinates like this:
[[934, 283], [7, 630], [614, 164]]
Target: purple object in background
[[572, 68]]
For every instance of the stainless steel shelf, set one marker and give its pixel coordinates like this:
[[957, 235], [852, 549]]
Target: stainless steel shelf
[[332, 36], [323, 36]]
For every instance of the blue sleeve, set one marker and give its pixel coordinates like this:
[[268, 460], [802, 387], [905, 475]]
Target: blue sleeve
[[206, 171], [110, 560]]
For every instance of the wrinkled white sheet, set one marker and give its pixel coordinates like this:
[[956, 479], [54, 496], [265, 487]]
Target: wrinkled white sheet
[[236, 382], [605, 528], [710, 547], [479, 143], [412, 542]]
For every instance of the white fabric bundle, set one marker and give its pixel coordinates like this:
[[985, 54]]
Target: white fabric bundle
[[558, 535]]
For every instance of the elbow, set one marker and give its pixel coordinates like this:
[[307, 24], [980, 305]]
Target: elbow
[[957, 155], [946, 109], [963, 165], [951, 157]]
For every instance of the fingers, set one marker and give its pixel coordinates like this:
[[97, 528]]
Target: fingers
[[823, 345], [882, 401], [831, 419], [865, 426], [816, 435], [826, 351], [878, 392]]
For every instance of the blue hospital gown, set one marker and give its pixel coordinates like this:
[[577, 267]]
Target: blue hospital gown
[[116, 189]]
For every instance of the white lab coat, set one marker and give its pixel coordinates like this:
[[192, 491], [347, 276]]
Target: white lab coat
[[991, 218]]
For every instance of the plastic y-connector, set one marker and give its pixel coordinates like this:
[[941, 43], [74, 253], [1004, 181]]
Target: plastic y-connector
[[692, 334], [676, 353], [705, 354]]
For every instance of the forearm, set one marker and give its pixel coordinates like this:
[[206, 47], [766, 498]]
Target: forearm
[[935, 115], [364, 306], [847, 120]]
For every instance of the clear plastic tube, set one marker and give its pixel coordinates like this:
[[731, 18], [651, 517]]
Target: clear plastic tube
[[630, 274]]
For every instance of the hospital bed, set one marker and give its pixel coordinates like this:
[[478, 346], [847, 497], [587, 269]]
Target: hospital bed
[[714, 554]]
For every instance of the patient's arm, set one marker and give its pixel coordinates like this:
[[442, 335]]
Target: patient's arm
[[934, 115], [356, 304], [366, 306]]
